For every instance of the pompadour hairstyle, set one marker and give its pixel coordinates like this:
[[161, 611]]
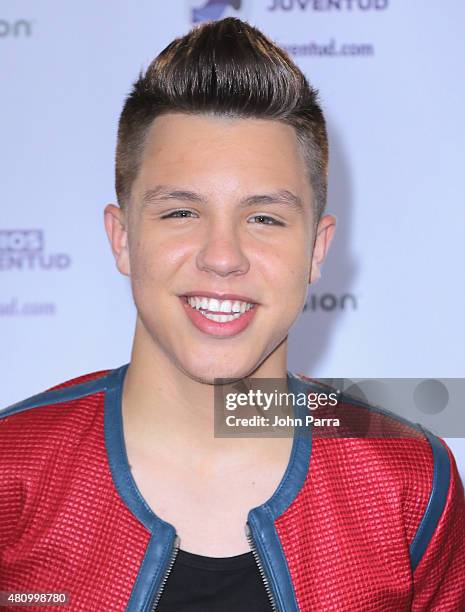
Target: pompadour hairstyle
[[227, 68]]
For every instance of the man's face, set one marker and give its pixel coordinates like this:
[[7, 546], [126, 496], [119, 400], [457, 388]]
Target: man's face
[[219, 207]]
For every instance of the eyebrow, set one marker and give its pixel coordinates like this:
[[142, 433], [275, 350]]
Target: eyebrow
[[164, 192]]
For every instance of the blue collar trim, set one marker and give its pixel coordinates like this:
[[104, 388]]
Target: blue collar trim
[[159, 549], [261, 519]]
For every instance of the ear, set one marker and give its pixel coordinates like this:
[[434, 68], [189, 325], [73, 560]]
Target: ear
[[323, 237], [116, 228]]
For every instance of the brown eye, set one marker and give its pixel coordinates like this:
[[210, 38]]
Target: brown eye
[[268, 220], [178, 214]]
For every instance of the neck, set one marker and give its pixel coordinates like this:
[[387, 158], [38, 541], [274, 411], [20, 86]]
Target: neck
[[165, 408]]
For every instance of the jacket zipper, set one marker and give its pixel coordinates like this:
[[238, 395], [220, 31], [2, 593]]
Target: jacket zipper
[[174, 552], [253, 548]]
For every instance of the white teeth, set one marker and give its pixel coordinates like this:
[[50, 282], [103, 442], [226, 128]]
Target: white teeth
[[225, 306], [212, 304], [220, 318]]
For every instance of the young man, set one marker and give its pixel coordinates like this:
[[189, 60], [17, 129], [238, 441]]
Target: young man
[[113, 488]]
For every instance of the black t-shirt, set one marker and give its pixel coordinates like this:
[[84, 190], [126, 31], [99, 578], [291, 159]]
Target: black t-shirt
[[214, 584]]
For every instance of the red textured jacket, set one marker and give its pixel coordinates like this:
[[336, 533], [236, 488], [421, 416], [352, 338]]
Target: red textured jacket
[[371, 521]]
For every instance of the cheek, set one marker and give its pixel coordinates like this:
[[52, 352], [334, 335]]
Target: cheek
[[288, 275], [288, 269], [153, 260], [143, 264]]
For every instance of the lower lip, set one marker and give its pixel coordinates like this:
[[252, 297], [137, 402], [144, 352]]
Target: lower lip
[[215, 328]]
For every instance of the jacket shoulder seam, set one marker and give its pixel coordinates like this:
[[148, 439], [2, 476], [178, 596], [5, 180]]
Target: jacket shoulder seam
[[57, 396], [437, 499]]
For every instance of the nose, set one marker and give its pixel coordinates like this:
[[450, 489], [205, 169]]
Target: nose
[[222, 252]]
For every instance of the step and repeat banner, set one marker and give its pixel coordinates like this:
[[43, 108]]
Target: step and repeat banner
[[390, 73]]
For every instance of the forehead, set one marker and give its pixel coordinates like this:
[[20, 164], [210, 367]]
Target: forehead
[[221, 151]]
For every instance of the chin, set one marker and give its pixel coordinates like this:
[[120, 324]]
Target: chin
[[208, 373]]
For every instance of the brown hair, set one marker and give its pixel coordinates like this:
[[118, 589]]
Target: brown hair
[[227, 68]]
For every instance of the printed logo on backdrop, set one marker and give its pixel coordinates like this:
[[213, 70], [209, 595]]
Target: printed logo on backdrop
[[327, 5], [15, 28], [331, 48], [210, 10], [330, 302], [24, 249]]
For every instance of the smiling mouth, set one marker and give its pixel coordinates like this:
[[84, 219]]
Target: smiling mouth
[[220, 311]]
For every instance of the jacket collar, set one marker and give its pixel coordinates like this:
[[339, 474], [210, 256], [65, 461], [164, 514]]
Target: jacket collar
[[260, 519]]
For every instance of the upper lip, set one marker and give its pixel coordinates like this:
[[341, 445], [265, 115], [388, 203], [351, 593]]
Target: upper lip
[[220, 296]]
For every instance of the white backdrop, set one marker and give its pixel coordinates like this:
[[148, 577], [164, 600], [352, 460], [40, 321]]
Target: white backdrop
[[391, 81]]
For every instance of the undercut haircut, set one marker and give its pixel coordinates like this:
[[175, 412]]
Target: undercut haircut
[[225, 68]]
